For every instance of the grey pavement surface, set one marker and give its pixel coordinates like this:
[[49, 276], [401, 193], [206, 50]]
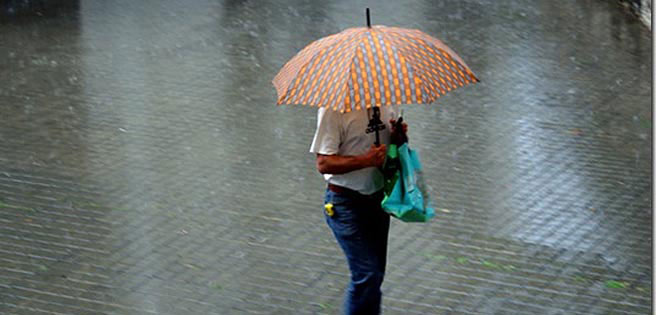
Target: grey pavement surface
[[144, 168]]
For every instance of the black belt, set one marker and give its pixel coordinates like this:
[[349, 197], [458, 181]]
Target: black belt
[[342, 190], [348, 191]]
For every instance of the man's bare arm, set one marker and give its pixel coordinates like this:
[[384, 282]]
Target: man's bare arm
[[340, 164]]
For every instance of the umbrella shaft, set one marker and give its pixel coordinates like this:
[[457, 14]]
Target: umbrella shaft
[[368, 19]]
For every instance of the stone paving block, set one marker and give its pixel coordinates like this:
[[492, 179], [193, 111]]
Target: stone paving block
[[145, 170]]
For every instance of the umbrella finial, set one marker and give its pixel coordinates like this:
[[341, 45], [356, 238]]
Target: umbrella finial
[[368, 19]]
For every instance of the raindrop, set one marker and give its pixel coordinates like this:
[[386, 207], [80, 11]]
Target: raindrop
[[278, 132]]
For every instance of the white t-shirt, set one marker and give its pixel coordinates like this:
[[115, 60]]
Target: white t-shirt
[[346, 134]]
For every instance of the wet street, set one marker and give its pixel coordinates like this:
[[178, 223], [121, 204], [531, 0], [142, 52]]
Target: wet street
[[145, 168]]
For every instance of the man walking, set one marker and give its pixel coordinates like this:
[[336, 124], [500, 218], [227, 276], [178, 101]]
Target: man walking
[[350, 164]]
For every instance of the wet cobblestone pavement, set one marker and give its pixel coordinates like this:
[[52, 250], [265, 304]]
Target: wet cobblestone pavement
[[144, 168]]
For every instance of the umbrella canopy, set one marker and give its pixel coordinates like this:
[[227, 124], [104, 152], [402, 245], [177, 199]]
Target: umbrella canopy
[[371, 66]]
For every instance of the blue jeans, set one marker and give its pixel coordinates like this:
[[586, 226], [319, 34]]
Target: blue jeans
[[361, 228]]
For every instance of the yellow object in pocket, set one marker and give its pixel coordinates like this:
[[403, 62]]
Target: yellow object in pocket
[[329, 209]]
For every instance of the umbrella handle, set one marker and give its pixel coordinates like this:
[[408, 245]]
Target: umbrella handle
[[377, 138]]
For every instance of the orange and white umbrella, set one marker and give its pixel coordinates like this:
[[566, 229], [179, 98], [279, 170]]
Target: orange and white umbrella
[[371, 66]]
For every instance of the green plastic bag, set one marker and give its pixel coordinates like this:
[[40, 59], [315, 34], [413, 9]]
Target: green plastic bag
[[406, 197]]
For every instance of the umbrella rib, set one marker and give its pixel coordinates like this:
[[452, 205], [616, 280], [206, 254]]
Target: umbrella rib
[[417, 71], [349, 80], [454, 79], [303, 98], [354, 41], [325, 49], [291, 64], [340, 99], [313, 50], [432, 79], [438, 45]]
